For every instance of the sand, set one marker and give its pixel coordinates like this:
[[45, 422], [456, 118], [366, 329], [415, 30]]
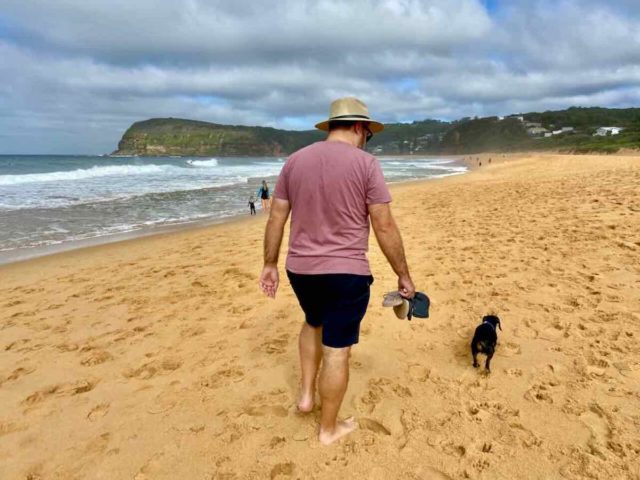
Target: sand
[[158, 358]]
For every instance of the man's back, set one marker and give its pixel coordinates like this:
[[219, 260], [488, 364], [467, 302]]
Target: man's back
[[329, 185]]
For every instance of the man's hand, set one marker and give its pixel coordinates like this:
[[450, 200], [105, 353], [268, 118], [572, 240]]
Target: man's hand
[[272, 239], [406, 287], [269, 280]]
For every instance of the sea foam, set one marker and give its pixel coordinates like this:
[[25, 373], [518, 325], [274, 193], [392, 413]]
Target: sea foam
[[81, 174], [212, 162]]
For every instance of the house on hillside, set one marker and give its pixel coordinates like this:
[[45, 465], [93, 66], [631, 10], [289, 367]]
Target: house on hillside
[[562, 130], [536, 131], [532, 124], [604, 131]]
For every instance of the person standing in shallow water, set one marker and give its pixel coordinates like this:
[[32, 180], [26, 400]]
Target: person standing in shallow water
[[252, 205], [332, 189], [264, 196]]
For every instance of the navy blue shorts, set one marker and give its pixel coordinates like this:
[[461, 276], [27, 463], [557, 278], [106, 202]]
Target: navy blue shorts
[[336, 302]]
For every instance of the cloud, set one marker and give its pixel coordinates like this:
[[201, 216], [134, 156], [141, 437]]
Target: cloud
[[78, 73], [232, 32]]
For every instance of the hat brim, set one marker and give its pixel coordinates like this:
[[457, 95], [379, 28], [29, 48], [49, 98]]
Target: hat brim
[[402, 310], [375, 127]]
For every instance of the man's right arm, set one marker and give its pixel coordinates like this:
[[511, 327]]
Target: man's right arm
[[278, 216], [390, 241]]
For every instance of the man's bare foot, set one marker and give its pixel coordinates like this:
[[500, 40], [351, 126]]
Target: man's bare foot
[[342, 428], [305, 405]]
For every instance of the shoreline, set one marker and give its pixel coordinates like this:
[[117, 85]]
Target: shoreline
[[10, 257]]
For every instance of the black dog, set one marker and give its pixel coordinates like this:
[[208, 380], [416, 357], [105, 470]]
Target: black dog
[[484, 340]]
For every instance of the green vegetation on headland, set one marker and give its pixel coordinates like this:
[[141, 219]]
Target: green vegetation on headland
[[571, 130], [174, 136]]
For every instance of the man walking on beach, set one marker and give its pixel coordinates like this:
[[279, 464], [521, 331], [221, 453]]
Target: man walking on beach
[[332, 188]]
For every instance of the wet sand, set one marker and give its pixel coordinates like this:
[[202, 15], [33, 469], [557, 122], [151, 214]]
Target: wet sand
[[158, 358]]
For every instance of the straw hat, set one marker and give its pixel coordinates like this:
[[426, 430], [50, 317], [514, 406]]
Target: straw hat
[[351, 109], [400, 304]]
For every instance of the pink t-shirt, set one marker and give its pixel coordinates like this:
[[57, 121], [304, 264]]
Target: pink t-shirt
[[329, 185]]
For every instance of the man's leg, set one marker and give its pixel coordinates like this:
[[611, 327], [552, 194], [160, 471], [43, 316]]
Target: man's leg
[[310, 346], [334, 378]]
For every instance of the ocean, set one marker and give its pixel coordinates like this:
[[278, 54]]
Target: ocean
[[67, 201]]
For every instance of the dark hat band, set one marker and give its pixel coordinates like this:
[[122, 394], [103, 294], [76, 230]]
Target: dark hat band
[[364, 117]]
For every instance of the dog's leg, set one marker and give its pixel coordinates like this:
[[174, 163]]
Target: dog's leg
[[474, 353], [489, 357]]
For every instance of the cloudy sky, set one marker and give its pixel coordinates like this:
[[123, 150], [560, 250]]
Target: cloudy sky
[[76, 73]]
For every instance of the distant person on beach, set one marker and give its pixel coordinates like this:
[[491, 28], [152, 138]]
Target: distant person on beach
[[264, 196], [252, 205], [332, 188]]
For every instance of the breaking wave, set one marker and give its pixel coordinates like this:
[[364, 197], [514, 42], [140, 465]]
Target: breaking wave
[[81, 174], [212, 162]]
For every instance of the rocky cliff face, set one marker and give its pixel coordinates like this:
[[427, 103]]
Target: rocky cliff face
[[170, 136]]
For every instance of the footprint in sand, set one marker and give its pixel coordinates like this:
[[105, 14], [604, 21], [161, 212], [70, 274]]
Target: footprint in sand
[[419, 372], [595, 419], [192, 331], [61, 390], [276, 345], [526, 330], [433, 474], [600, 441], [374, 394], [597, 367], [484, 410], [16, 374], [199, 284], [508, 349], [98, 412], [373, 426], [541, 392], [239, 309], [628, 369], [282, 470], [151, 369], [401, 391], [246, 324], [222, 377], [163, 402], [527, 438], [235, 273], [14, 345], [12, 303], [277, 442], [11, 427], [266, 411], [96, 358]]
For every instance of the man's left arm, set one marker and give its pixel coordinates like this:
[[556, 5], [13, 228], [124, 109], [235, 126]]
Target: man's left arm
[[272, 240]]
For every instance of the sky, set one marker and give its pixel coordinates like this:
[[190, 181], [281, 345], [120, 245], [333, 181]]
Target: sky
[[75, 74]]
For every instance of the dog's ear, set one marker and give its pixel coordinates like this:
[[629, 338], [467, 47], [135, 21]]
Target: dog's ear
[[499, 326]]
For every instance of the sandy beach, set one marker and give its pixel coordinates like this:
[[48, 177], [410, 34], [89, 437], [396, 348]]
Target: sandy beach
[[158, 358]]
